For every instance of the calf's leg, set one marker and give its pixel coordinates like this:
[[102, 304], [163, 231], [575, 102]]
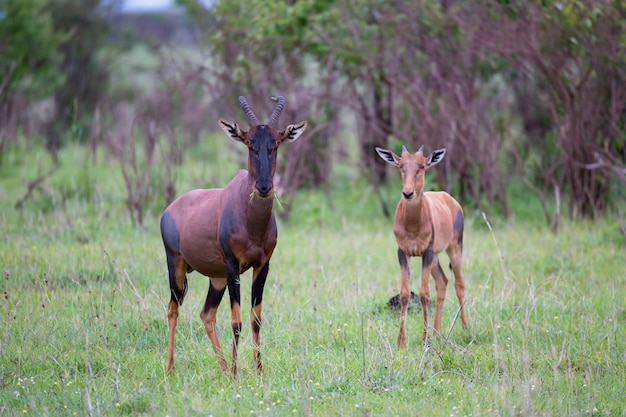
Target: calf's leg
[[456, 260], [405, 295], [441, 283], [427, 263]]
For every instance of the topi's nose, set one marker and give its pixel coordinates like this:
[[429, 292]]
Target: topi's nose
[[264, 188], [408, 195]]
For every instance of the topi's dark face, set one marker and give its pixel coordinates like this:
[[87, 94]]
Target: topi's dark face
[[262, 141], [262, 149]]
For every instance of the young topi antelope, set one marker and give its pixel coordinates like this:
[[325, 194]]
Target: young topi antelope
[[221, 233], [425, 224]]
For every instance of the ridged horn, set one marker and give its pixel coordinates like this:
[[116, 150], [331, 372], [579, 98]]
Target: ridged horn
[[280, 103], [250, 116]]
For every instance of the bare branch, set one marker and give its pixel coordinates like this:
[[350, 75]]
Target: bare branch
[[31, 187]]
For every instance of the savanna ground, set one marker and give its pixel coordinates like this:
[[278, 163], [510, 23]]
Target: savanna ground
[[84, 328]]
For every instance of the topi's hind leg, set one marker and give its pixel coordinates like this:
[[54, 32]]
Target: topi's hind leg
[[177, 270], [208, 315]]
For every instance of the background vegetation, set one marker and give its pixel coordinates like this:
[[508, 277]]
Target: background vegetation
[[105, 117]]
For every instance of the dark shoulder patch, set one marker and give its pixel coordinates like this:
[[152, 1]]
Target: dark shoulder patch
[[228, 223]]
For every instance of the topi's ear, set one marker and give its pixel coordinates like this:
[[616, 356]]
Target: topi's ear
[[435, 157], [292, 132], [232, 130], [388, 156]]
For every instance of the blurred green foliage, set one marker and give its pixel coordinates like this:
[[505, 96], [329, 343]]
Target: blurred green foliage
[[567, 62], [28, 48]]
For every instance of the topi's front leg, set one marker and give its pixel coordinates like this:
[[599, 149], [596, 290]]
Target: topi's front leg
[[208, 315], [232, 281], [258, 283]]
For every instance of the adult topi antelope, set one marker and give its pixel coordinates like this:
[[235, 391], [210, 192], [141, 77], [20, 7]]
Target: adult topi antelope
[[221, 233], [425, 224]]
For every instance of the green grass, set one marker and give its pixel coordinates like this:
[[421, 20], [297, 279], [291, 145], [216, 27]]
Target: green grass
[[84, 332]]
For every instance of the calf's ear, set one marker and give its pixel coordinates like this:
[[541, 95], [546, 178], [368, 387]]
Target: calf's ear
[[388, 156], [435, 157]]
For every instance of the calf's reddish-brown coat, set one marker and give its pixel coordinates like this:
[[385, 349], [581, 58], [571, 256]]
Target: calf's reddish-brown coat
[[222, 233], [426, 224]]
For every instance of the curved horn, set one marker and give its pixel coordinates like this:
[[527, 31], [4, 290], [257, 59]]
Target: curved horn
[[250, 117], [421, 149], [280, 103]]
